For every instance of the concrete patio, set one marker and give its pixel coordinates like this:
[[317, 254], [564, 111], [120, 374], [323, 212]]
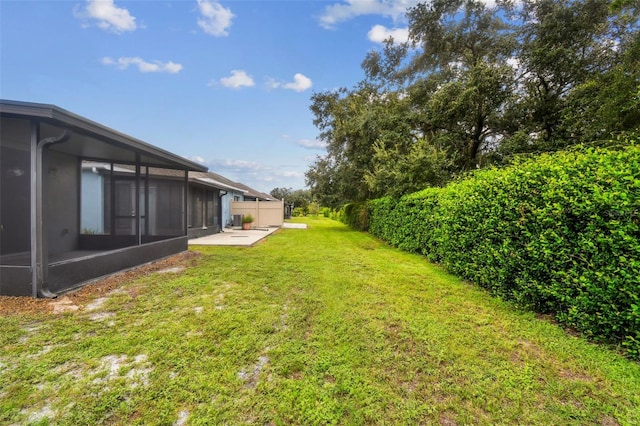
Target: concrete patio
[[238, 237]]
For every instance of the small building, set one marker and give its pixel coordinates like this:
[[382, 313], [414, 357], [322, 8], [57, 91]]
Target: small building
[[216, 202], [79, 200]]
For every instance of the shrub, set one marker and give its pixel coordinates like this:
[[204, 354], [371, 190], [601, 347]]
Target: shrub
[[559, 234], [356, 215], [313, 209], [247, 218]]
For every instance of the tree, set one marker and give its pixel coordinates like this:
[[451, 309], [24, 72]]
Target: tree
[[299, 197], [396, 173], [281, 193], [475, 85], [350, 123], [565, 45], [608, 102], [458, 78]]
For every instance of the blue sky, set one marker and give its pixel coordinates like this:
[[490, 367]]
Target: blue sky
[[227, 84]]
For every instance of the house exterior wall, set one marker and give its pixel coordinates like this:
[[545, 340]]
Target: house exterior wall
[[227, 215]]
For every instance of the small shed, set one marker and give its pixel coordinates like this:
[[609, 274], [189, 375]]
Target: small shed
[[79, 200]]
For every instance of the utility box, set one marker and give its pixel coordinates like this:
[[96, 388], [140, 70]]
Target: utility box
[[237, 220]]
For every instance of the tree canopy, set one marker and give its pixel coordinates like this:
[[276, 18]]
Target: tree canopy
[[473, 86], [298, 197]]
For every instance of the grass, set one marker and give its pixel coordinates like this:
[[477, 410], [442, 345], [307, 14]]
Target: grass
[[317, 326]]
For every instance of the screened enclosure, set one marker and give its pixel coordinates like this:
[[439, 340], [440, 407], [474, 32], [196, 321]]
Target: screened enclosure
[[15, 203], [123, 205], [204, 208], [79, 200]]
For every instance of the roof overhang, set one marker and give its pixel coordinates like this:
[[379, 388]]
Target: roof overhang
[[207, 181], [93, 140]]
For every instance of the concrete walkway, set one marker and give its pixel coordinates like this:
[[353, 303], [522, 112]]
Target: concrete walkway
[[294, 225], [233, 237]]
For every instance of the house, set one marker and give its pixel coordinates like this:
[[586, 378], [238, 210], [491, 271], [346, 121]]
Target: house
[[253, 195], [208, 203], [211, 200], [79, 200]]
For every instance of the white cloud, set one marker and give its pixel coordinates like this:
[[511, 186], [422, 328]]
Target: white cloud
[[197, 159], [349, 9], [380, 33], [311, 144], [143, 66], [215, 19], [109, 16], [236, 80], [300, 83], [240, 165], [340, 12], [259, 176]]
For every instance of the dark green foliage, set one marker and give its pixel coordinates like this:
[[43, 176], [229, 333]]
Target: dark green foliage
[[299, 197], [473, 86], [356, 215], [559, 234]]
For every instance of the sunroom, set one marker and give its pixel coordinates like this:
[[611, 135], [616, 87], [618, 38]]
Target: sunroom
[[79, 200]]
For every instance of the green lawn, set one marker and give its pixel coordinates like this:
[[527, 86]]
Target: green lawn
[[317, 326]]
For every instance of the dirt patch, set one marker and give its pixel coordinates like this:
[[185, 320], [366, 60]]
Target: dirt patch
[[183, 416], [609, 421], [83, 296], [96, 304], [172, 270], [36, 416], [63, 304], [112, 365], [447, 419], [580, 376], [251, 375]]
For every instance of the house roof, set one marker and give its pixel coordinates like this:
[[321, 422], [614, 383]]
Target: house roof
[[252, 193], [93, 140], [219, 181], [214, 180]]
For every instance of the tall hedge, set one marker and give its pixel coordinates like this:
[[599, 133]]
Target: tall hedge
[[355, 215], [559, 234]]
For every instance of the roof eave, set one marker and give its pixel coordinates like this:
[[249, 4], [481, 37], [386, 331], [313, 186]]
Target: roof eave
[[74, 121]]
